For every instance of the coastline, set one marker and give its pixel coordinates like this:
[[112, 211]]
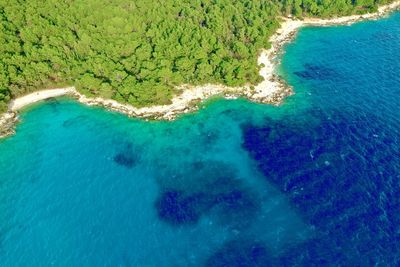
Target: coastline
[[270, 91]]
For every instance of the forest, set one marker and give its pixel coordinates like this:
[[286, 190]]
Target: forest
[[138, 51]]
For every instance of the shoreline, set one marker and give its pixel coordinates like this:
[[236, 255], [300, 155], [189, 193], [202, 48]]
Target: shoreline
[[270, 91]]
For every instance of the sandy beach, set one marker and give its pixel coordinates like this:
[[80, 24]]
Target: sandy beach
[[23, 101], [271, 91]]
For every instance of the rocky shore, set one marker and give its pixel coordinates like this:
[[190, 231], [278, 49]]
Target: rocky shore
[[191, 96], [7, 124]]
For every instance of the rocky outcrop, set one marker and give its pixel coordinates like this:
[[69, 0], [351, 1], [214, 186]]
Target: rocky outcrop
[[7, 124]]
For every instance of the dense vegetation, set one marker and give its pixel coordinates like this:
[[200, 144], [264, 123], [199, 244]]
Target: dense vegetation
[[136, 51]]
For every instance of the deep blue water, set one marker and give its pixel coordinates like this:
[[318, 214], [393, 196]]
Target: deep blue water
[[314, 182]]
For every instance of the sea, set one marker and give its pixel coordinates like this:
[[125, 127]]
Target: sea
[[312, 182]]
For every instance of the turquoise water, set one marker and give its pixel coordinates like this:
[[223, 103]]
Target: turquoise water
[[313, 182]]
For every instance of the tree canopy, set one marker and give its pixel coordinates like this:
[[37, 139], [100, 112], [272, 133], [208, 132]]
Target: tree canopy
[[138, 51]]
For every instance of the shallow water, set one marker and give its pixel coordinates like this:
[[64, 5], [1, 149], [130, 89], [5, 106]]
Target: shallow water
[[313, 182]]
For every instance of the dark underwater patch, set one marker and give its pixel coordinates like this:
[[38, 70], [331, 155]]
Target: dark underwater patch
[[240, 253], [53, 103], [341, 179], [233, 202], [74, 121], [317, 72], [214, 192], [177, 209], [127, 157]]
